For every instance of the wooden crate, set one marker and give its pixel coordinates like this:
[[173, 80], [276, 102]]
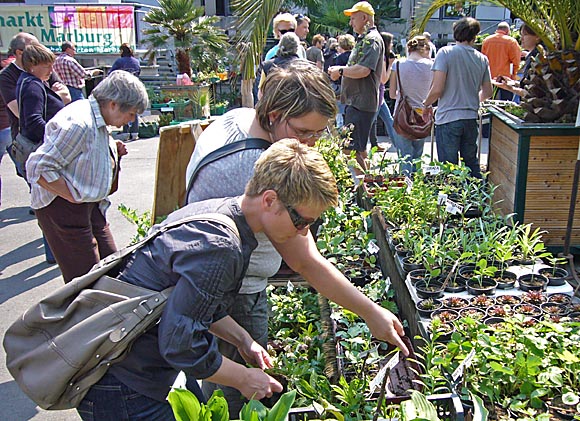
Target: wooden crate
[[176, 144], [533, 167]]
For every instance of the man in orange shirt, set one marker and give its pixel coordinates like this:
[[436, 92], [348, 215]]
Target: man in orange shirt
[[504, 55]]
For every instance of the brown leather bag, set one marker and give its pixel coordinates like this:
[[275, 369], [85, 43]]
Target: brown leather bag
[[407, 121]]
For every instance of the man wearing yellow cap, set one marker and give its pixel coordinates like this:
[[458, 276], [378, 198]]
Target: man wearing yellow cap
[[361, 77]]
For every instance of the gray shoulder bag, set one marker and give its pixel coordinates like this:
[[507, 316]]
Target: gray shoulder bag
[[65, 343]]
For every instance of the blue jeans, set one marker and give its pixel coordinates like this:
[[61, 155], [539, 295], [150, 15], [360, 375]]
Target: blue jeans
[[75, 93], [385, 114], [458, 138], [408, 150], [340, 114], [111, 400]]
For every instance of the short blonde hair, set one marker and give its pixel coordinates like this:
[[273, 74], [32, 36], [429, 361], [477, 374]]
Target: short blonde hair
[[282, 17], [297, 173], [34, 54], [346, 42]]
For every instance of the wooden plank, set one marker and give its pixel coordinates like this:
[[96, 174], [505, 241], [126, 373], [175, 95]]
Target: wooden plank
[[554, 142], [176, 144], [503, 140], [503, 197], [560, 197]]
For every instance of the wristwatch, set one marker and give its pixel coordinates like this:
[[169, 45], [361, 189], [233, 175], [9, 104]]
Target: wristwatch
[[341, 71]]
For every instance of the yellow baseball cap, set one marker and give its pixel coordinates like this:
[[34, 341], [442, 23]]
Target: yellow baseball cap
[[361, 6]]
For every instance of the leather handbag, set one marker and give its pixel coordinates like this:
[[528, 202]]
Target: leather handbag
[[22, 146], [65, 343], [407, 121]]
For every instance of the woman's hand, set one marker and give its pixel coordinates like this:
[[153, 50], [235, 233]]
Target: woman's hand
[[121, 149], [62, 91], [258, 385], [385, 326], [253, 353]]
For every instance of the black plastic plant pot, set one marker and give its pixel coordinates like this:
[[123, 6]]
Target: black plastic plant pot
[[529, 310], [472, 312], [465, 272], [560, 298], [455, 285], [505, 279], [427, 306], [417, 275], [431, 289], [483, 286], [409, 265], [455, 303], [554, 309], [508, 299], [532, 282], [446, 316], [556, 276]]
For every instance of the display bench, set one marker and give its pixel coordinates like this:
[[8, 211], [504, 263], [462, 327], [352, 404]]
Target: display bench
[[532, 166], [390, 267], [405, 293]]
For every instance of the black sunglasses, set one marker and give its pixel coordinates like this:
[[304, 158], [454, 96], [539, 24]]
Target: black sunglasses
[[283, 31], [298, 220]]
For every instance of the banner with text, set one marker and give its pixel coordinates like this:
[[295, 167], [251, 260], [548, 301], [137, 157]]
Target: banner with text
[[93, 29]]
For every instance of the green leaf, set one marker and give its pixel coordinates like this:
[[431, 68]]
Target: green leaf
[[570, 398], [218, 406], [251, 409], [500, 368], [185, 405], [480, 411], [280, 410]]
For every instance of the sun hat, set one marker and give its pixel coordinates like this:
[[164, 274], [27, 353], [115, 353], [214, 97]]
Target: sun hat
[[361, 6]]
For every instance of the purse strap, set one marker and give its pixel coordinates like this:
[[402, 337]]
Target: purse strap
[[159, 229], [402, 94], [225, 150], [20, 103]]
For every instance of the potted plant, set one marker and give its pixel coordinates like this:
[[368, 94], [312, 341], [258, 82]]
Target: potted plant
[[182, 23], [532, 282], [482, 281], [427, 306], [556, 274]]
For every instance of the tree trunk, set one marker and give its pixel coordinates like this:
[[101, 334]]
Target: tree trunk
[[248, 93]]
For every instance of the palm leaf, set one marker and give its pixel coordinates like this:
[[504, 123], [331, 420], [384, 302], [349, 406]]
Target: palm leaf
[[556, 22]]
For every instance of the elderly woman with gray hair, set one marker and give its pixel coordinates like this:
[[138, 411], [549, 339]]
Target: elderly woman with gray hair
[[287, 52], [76, 169]]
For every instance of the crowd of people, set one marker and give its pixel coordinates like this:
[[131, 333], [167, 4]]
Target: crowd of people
[[272, 184]]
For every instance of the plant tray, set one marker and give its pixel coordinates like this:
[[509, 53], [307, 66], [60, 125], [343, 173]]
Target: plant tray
[[402, 376]]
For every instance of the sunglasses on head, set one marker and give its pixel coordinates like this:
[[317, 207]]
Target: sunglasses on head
[[298, 220], [283, 31]]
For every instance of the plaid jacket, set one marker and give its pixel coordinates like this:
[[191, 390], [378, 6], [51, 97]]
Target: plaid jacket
[[70, 71]]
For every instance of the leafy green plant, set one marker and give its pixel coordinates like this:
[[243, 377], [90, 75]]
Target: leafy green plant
[[142, 221], [186, 406], [418, 408], [530, 244]]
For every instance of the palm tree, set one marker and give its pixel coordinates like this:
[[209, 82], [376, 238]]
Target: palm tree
[[554, 87], [254, 17], [192, 33]]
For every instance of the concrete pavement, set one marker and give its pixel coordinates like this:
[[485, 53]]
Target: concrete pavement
[[25, 276]]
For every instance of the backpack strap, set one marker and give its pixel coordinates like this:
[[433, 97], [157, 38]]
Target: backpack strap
[[230, 148], [215, 217]]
